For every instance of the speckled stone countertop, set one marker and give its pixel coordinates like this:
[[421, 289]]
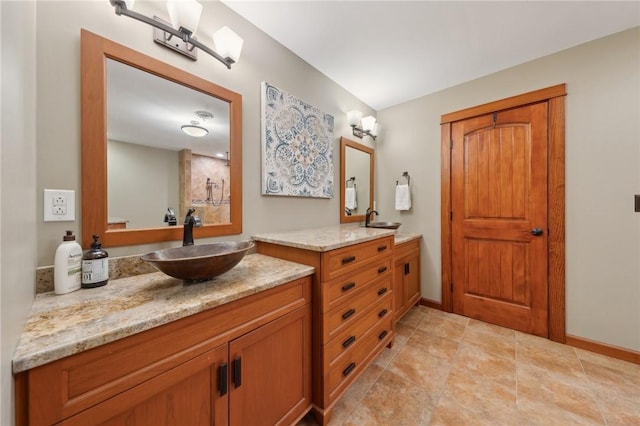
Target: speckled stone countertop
[[62, 325], [325, 239], [405, 238]]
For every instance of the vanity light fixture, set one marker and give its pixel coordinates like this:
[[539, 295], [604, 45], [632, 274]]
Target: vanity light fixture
[[185, 16], [363, 126]]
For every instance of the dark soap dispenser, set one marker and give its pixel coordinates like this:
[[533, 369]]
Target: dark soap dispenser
[[95, 266]]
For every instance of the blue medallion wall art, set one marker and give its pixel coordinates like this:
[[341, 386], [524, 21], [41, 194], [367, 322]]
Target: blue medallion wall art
[[297, 146]]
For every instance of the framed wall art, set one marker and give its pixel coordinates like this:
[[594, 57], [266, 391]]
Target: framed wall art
[[297, 146]]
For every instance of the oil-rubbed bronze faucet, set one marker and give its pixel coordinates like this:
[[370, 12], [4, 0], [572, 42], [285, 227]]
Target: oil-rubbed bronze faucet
[[190, 221], [367, 216]]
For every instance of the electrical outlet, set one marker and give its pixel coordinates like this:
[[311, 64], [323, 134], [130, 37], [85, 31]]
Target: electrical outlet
[[59, 205]]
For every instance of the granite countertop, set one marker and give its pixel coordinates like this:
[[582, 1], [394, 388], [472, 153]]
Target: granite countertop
[[406, 237], [326, 238], [62, 325]]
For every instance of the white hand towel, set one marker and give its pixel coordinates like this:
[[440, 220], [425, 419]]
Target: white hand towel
[[403, 197], [350, 201]]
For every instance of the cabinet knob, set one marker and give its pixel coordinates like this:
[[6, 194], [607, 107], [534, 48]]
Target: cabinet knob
[[348, 260], [348, 313], [222, 378], [237, 372], [348, 342], [349, 369], [348, 287]]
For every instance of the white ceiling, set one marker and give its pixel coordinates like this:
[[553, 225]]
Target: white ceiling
[[389, 52]]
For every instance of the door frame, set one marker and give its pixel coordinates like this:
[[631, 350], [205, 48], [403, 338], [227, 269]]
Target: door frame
[[554, 96]]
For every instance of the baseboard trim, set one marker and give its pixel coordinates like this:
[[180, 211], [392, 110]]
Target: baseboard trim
[[431, 303], [604, 349]]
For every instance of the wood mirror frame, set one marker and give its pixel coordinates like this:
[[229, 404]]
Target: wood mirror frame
[[94, 52], [344, 143]]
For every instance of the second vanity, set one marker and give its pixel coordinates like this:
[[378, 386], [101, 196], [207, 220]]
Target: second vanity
[[352, 299]]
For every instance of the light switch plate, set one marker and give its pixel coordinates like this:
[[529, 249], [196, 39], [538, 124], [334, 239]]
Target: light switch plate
[[59, 205]]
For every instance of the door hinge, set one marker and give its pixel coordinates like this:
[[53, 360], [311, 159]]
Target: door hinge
[[451, 286], [450, 215], [450, 144]]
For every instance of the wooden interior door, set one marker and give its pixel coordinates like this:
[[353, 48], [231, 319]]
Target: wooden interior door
[[499, 218]]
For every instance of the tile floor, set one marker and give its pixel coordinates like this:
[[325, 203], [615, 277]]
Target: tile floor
[[445, 369]]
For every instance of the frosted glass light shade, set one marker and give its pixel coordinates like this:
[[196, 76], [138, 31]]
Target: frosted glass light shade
[[129, 4], [184, 13], [228, 44], [195, 131], [376, 129], [353, 117], [368, 123]]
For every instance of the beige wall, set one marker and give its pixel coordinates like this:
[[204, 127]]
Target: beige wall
[[602, 175], [58, 128], [18, 219]]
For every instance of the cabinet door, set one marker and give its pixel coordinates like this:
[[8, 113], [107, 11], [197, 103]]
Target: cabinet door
[[189, 394], [412, 280], [398, 289], [270, 372]]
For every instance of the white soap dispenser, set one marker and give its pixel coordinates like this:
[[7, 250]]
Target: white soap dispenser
[[67, 269]]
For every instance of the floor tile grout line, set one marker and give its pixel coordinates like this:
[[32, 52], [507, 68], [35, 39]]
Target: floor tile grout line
[[592, 390]]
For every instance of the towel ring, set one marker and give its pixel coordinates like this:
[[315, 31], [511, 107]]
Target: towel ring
[[405, 175], [352, 180]]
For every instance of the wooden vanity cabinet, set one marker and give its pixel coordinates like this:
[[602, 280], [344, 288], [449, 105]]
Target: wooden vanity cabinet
[[406, 287], [352, 312], [246, 362]]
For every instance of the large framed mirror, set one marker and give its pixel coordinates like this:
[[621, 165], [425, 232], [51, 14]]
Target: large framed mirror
[[139, 164], [356, 180]]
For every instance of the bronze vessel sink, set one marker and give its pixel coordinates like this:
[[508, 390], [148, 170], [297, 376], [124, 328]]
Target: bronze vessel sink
[[199, 262], [385, 225]]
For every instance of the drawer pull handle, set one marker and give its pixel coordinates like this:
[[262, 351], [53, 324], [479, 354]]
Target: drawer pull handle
[[348, 342], [382, 313], [349, 369], [348, 287], [382, 291], [348, 260], [382, 248], [348, 314], [382, 269], [237, 372], [382, 335], [222, 379]]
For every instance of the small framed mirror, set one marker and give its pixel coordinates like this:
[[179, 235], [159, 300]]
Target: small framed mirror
[[356, 180], [156, 141]]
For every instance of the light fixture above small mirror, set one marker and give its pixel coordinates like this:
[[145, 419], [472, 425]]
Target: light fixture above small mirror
[[363, 126]]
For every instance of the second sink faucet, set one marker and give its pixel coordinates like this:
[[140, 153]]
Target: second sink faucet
[[190, 221], [367, 216]]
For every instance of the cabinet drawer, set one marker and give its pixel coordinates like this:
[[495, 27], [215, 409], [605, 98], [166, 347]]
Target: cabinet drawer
[[341, 288], [350, 311], [348, 338], [406, 248], [347, 259], [351, 363]]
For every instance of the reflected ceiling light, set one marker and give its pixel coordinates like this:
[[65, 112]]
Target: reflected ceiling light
[[363, 126], [194, 130], [185, 16]]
